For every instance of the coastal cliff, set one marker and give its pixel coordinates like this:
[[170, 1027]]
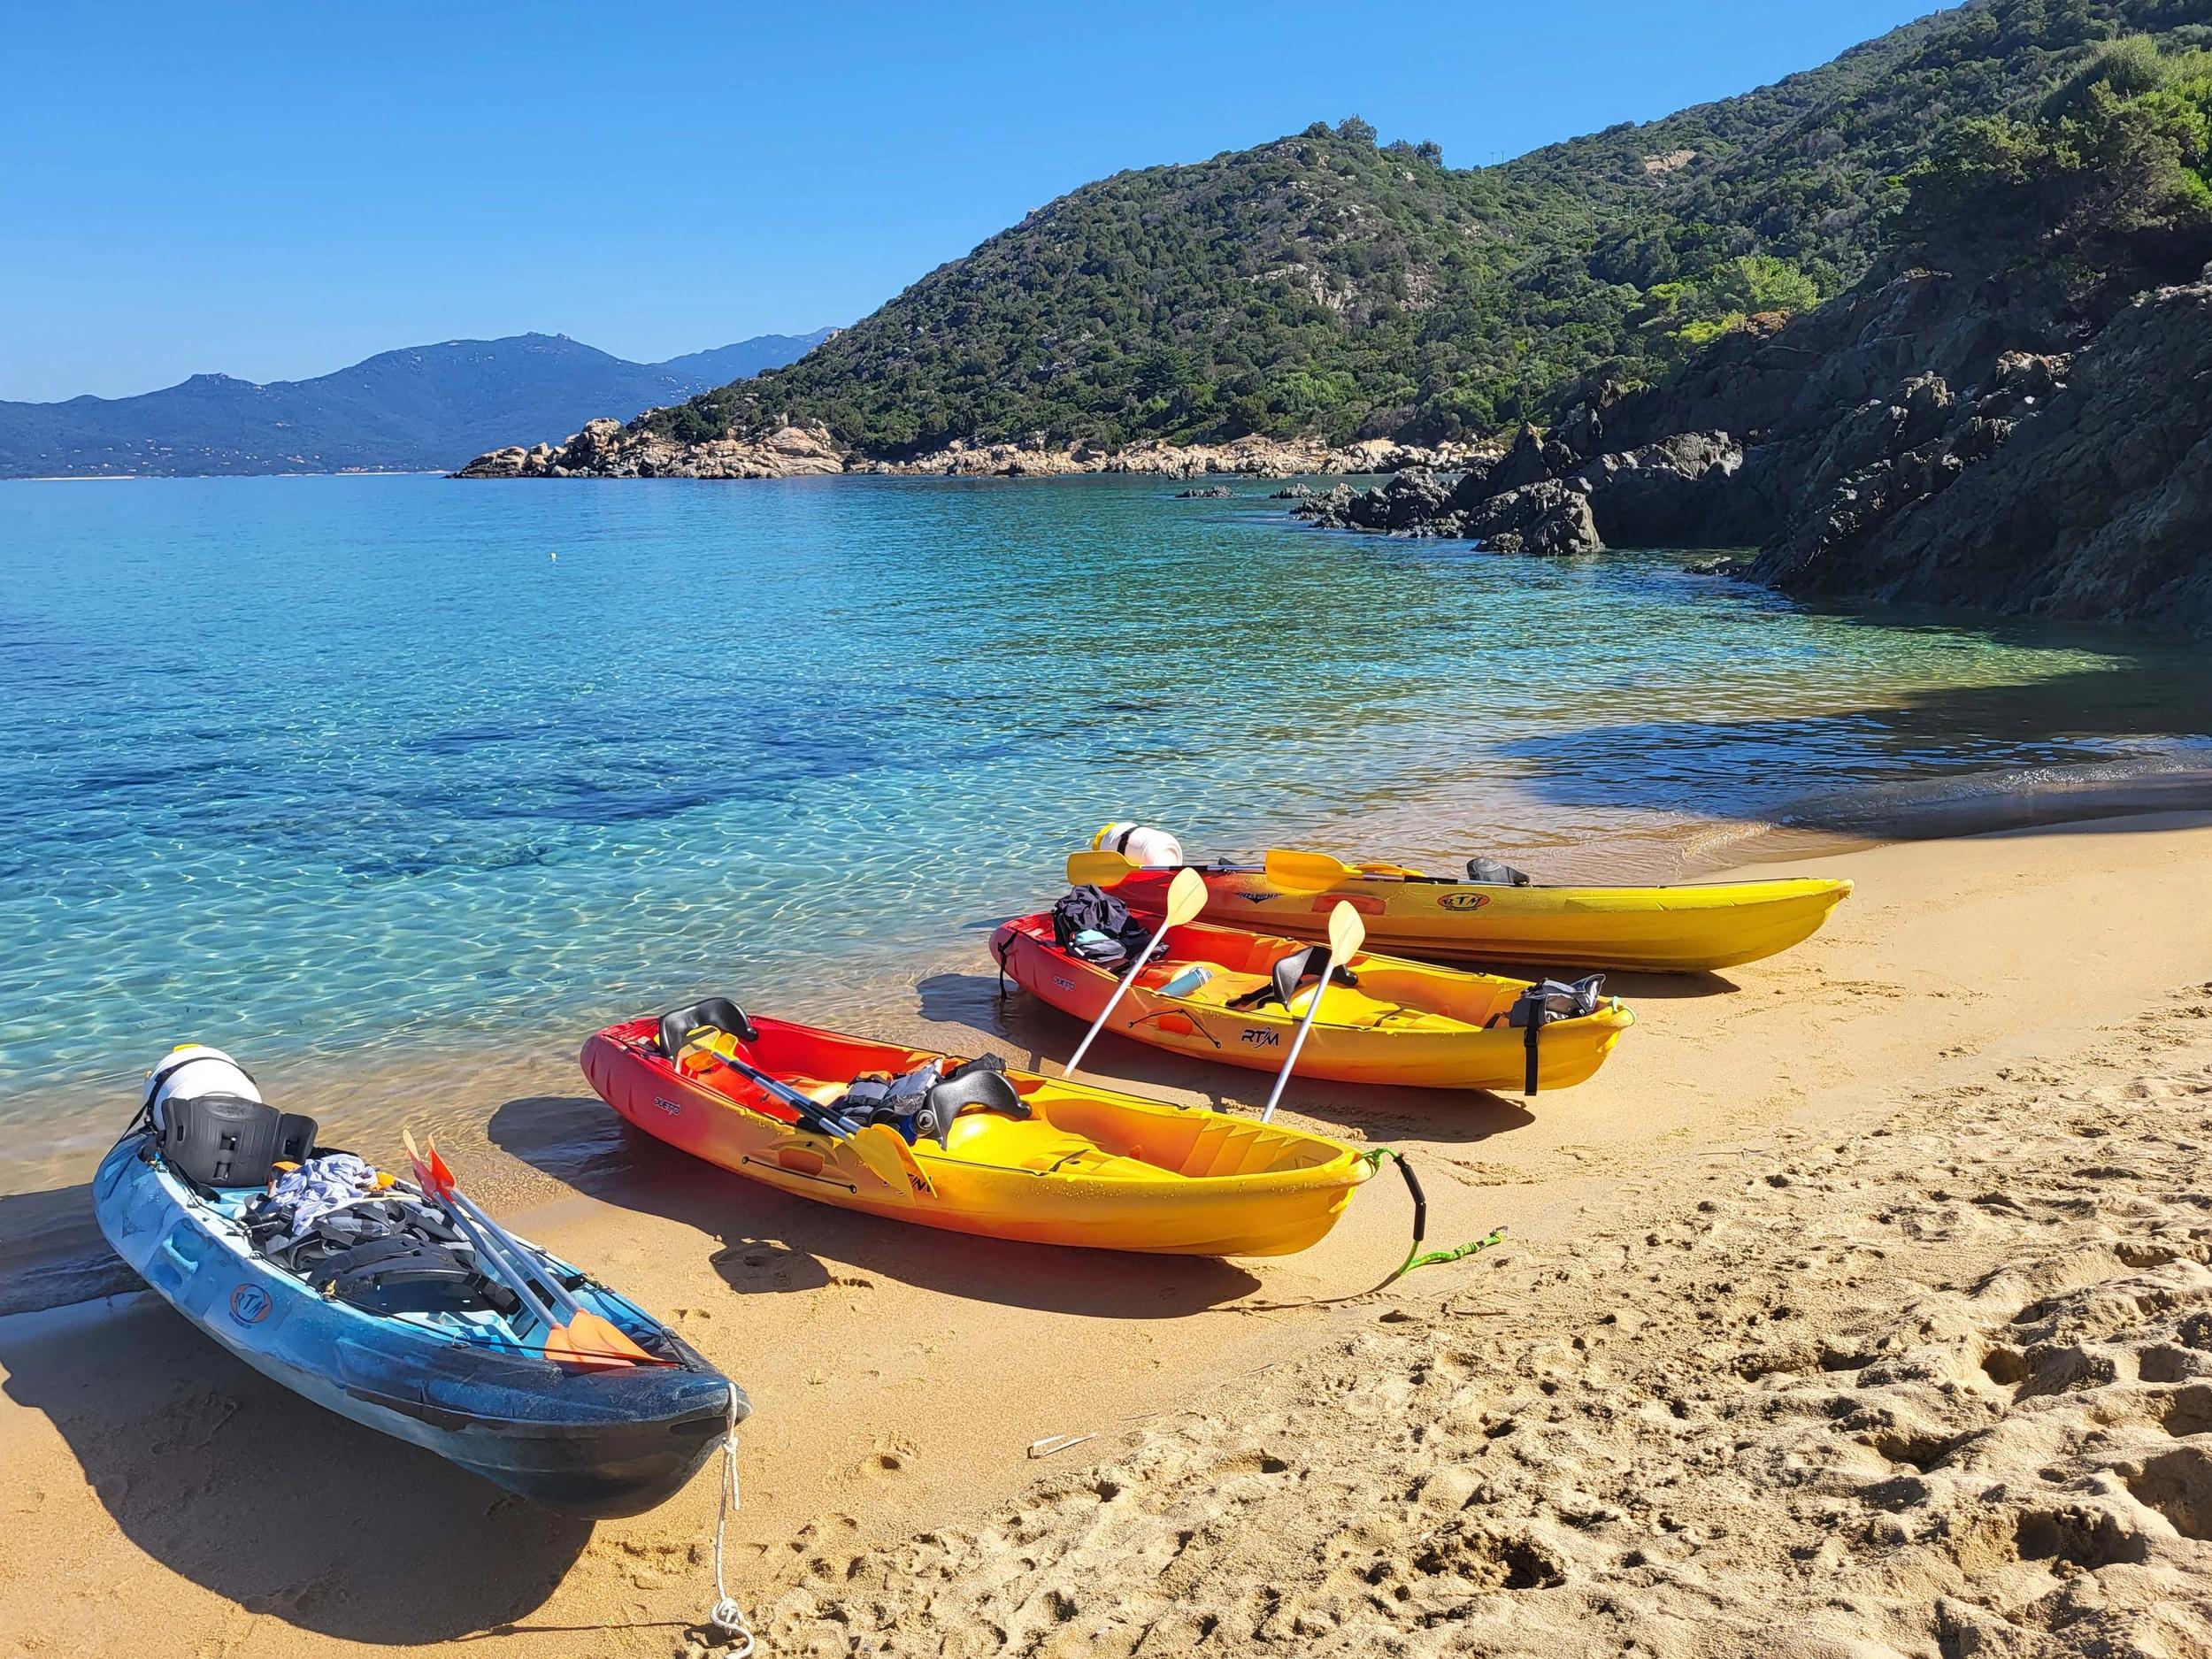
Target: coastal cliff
[[1925, 443], [2012, 419]]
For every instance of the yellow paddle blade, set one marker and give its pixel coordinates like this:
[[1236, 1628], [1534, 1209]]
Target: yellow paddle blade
[[1186, 897], [1310, 871], [883, 1150], [1100, 870], [1346, 934]]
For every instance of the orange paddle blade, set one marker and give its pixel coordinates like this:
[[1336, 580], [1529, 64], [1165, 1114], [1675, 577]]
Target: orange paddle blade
[[424, 1178], [588, 1339], [562, 1348]]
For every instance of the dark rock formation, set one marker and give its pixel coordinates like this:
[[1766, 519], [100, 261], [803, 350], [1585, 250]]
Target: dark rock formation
[[1925, 440], [2079, 489], [1215, 492]]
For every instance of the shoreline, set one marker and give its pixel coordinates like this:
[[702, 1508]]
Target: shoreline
[[898, 1373], [50, 1253]]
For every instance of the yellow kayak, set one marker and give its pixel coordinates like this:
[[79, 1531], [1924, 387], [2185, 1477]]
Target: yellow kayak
[[1042, 1159], [1683, 929], [1405, 1023]]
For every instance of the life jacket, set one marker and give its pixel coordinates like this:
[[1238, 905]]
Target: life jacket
[[923, 1102]]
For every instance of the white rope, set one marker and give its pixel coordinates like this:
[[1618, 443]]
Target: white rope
[[726, 1615]]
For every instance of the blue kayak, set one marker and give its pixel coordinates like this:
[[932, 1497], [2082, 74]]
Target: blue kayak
[[473, 1385]]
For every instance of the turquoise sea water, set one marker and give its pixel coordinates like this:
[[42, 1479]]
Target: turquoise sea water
[[331, 765]]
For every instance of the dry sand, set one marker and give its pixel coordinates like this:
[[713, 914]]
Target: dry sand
[[1859, 1306]]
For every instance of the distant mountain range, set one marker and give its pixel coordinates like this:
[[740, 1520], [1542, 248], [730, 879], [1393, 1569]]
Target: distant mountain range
[[421, 409]]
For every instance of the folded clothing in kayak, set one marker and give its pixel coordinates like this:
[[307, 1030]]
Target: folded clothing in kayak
[[346, 1229]]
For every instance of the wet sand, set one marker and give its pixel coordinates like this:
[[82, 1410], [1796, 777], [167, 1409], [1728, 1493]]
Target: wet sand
[[898, 1374]]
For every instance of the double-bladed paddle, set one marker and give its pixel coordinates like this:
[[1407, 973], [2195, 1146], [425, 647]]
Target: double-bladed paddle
[[878, 1146], [581, 1338], [1100, 869], [1186, 897], [1308, 871], [1347, 932]]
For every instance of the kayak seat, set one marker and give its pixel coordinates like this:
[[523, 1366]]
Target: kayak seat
[[713, 1013], [1226, 986], [216, 1140]]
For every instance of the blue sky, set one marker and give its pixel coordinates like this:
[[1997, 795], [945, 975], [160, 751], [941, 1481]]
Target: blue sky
[[274, 191]]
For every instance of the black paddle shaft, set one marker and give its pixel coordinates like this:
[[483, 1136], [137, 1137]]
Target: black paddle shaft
[[811, 1113]]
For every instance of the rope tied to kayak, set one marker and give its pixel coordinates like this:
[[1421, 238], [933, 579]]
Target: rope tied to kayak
[[726, 1615], [1415, 1256]]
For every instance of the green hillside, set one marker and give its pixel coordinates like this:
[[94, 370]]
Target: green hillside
[[1326, 283]]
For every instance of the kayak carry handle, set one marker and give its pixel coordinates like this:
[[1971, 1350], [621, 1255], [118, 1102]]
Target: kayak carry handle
[[1420, 1202], [1415, 1256]]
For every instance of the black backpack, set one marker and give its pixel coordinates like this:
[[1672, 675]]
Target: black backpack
[[1093, 909]]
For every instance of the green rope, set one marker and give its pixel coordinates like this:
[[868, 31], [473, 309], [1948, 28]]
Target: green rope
[[1496, 1235], [1415, 1256]]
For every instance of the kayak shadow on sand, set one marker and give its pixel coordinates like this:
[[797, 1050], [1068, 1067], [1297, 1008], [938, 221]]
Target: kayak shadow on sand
[[1046, 1036], [769, 1239], [272, 1503]]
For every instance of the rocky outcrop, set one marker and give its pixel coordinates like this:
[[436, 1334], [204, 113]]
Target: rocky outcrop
[[1542, 498], [2077, 487], [607, 449], [1925, 441]]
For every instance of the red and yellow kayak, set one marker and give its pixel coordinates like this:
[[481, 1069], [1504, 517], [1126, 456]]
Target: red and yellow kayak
[[1404, 1023], [1680, 929], [1084, 1166]]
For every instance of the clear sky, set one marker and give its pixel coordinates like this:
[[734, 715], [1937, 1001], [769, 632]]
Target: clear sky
[[277, 191]]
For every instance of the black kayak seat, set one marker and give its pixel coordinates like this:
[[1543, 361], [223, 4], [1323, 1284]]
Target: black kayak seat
[[1493, 873], [1289, 976], [709, 1013], [218, 1140], [980, 1088]]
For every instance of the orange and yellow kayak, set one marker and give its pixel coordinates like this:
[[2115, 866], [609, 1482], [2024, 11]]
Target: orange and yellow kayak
[[1081, 1166], [1404, 1023], [1680, 929]]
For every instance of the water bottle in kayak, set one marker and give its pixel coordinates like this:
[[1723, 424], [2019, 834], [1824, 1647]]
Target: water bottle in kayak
[[1188, 982]]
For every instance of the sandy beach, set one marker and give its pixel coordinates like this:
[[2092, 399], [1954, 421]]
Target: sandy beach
[[1859, 1306]]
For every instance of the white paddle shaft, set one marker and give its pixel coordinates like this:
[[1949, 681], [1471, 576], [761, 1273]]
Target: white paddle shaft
[[1127, 979], [1313, 1007]]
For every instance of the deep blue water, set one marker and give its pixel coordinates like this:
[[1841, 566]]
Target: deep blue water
[[330, 763]]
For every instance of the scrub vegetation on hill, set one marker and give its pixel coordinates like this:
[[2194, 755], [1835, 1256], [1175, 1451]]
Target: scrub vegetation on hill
[[1327, 284]]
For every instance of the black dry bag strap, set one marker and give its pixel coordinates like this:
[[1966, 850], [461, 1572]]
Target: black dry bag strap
[[1529, 1041]]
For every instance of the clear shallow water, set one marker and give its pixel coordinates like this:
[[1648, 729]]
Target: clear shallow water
[[354, 765]]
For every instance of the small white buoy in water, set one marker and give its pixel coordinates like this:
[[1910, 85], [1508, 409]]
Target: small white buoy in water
[[554, 557]]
